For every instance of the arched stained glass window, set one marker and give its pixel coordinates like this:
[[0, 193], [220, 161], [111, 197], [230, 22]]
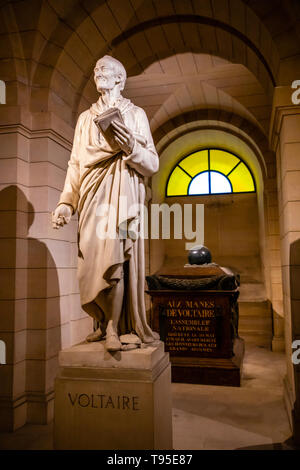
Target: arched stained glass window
[[210, 171]]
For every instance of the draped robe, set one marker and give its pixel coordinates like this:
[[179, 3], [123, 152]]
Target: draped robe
[[98, 175]]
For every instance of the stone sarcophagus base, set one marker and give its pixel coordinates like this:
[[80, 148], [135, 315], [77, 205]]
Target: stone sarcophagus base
[[195, 310], [114, 401]]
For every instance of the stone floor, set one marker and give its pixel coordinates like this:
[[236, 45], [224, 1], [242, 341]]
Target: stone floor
[[211, 417], [253, 415]]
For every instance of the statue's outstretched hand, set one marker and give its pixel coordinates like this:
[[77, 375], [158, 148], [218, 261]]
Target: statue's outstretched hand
[[61, 216], [124, 136]]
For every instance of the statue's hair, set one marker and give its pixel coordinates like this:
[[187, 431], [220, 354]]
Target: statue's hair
[[119, 68]]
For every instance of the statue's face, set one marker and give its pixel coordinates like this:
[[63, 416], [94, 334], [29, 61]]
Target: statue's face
[[104, 75]]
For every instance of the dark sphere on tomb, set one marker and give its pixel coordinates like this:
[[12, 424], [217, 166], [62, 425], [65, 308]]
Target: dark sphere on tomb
[[199, 254]]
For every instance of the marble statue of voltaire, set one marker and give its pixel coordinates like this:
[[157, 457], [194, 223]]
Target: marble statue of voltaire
[[111, 270]]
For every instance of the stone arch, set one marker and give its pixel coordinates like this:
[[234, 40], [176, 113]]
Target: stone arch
[[13, 68], [136, 39], [126, 39], [200, 130], [205, 134], [190, 90], [183, 45], [202, 138], [203, 115]]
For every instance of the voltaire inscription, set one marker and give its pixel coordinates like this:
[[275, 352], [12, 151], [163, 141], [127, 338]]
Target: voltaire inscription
[[191, 326], [119, 402]]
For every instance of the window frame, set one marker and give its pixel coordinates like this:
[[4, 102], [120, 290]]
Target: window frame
[[208, 149]]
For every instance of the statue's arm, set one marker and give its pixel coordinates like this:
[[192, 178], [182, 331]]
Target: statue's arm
[[143, 158], [70, 193]]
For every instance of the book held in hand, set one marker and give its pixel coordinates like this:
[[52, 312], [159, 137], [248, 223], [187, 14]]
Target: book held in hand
[[104, 124]]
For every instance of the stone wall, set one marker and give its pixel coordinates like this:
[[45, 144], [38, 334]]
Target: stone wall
[[188, 61]]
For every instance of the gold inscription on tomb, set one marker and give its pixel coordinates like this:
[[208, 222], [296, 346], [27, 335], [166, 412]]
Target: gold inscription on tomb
[[191, 303], [191, 326]]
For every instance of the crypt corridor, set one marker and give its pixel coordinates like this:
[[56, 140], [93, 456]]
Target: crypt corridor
[[210, 74]]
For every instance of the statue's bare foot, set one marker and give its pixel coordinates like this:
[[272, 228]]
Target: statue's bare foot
[[112, 342], [95, 336]]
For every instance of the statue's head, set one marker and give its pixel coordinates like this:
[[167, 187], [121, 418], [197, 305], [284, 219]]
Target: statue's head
[[109, 73]]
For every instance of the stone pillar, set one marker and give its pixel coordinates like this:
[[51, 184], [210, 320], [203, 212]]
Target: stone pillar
[[39, 295], [14, 209], [285, 140], [272, 260], [278, 344]]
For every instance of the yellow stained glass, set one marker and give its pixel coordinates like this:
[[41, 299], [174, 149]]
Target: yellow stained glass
[[222, 161], [219, 162], [195, 163], [178, 183], [241, 179]]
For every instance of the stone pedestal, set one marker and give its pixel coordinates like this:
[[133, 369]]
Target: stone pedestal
[[114, 401]]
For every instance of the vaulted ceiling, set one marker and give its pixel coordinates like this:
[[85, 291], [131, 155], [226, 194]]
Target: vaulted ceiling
[[181, 55]]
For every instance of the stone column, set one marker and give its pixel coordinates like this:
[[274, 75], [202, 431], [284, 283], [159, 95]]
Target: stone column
[[272, 259], [285, 140], [14, 210], [39, 295], [278, 344]]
